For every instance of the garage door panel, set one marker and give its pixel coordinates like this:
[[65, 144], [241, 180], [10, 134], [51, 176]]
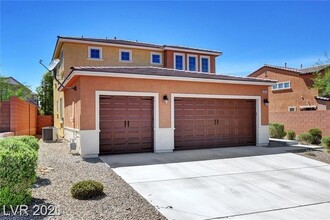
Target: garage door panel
[[204, 123], [126, 124]]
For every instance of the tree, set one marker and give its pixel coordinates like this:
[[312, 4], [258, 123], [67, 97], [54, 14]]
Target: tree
[[322, 82], [45, 94], [8, 90]]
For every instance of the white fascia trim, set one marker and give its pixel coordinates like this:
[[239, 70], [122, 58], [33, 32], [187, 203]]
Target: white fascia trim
[[160, 58], [208, 63], [97, 48], [183, 60], [196, 64], [108, 44], [211, 96], [192, 51], [140, 47], [130, 55], [98, 93], [174, 78]]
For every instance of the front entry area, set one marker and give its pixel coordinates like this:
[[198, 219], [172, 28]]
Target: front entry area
[[211, 123], [126, 124]]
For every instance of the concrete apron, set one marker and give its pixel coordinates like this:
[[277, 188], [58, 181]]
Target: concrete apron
[[274, 186]]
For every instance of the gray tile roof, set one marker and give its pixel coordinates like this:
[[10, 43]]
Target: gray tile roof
[[159, 71], [136, 43]]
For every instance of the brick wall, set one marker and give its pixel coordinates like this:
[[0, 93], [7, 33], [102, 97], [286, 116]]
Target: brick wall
[[23, 117], [44, 121], [4, 116], [302, 121]]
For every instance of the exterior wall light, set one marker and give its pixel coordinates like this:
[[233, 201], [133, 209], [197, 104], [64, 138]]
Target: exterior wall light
[[266, 102], [165, 98]]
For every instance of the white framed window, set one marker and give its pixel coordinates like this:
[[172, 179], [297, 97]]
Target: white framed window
[[95, 53], [179, 61], [292, 108], [192, 62], [125, 55], [156, 58], [205, 64], [282, 85]]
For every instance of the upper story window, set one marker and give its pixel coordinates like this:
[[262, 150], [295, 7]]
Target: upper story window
[[125, 55], [281, 85], [179, 61], [155, 58], [192, 63], [205, 64], [95, 53]]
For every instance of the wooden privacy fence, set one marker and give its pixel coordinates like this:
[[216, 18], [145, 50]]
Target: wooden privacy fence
[[302, 121]]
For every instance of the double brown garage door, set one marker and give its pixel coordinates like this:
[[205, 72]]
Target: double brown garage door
[[210, 123], [127, 126]]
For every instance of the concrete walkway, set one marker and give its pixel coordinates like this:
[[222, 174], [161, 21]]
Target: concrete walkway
[[273, 185]]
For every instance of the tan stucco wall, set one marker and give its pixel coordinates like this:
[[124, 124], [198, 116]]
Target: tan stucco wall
[[300, 94], [91, 84], [56, 100], [77, 55]]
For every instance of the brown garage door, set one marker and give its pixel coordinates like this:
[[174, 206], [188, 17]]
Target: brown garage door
[[210, 123], [126, 124]]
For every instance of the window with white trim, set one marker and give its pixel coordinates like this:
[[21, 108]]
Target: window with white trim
[[125, 55], [282, 85], [179, 61], [205, 64], [292, 108], [95, 53], [192, 63], [155, 58]]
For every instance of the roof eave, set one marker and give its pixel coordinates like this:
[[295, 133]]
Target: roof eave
[[76, 72]]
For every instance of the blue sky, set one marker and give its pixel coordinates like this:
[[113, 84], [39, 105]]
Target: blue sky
[[250, 34]]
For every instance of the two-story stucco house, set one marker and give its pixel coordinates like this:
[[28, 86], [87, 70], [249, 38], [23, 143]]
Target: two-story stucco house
[[294, 90], [141, 97]]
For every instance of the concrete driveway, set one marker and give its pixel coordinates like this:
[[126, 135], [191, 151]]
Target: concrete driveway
[[234, 183]]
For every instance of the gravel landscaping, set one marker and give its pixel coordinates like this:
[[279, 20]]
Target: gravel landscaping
[[58, 170], [317, 155]]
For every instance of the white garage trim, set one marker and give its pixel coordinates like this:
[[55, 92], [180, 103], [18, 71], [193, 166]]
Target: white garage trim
[[261, 140]]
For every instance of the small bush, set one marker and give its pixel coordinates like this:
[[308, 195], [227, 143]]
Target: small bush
[[18, 163], [291, 135], [316, 134], [29, 140], [326, 143], [87, 189], [276, 130], [305, 138]]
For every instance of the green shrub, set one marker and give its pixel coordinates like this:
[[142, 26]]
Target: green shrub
[[305, 138], [87, 189], [326, 143], [291, 135], [316, 134], [18, 163], [29, 140], [276, 130]]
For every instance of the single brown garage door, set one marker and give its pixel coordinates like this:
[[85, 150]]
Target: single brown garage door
[[210, 123], [126, 124]]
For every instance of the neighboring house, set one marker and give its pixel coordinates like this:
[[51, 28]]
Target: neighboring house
[[140, 97], [15, 84], [294, 90]]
